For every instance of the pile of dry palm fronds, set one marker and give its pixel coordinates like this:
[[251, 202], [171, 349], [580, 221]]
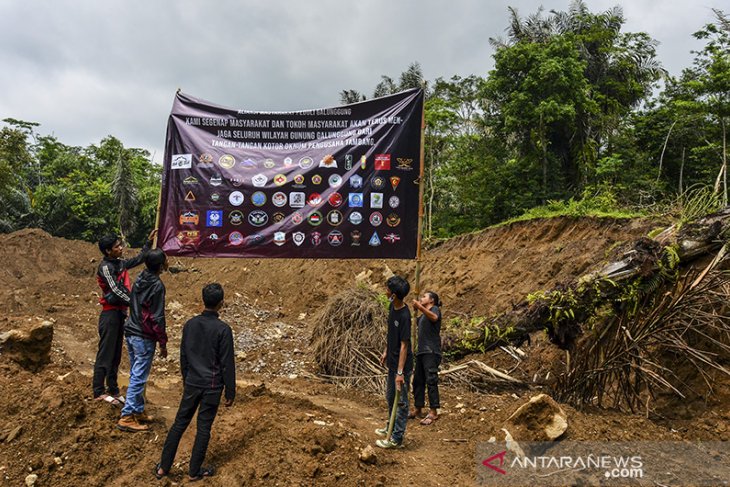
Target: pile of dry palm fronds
[[678, 332], [349, 337]]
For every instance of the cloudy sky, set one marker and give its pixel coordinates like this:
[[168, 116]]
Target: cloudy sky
[[85, 69]]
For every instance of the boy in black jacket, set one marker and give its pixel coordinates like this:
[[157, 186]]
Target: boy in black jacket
[[144, 328], [207, 366]]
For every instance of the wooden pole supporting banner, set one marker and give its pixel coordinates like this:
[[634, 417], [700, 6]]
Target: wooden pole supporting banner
[[414, 328], [157, 215]]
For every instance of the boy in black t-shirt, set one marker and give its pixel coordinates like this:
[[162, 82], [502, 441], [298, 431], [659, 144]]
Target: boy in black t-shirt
[[398, 357], [428, 356]]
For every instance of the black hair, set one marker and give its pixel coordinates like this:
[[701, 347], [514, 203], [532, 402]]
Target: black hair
[[212, 295], [154, 260], [435, 298], [399, 286], [106, 243]]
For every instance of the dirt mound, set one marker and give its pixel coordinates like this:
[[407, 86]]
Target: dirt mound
[[28, 343], [297, 430]]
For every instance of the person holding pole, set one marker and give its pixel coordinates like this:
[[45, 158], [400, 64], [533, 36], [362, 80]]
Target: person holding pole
[[398, 358], [428, 357]]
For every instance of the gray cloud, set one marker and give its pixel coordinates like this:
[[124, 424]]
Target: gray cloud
[[87, 69]]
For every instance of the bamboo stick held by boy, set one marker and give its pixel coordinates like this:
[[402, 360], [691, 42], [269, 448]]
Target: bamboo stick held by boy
[[398, 357]]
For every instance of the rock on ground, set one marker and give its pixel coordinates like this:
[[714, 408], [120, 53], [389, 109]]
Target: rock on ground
[[540, 419]]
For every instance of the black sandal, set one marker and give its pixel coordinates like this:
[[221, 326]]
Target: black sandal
[[203, 473], [158, 467]]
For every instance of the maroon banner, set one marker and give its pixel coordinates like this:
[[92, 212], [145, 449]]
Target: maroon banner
[[336, 182]]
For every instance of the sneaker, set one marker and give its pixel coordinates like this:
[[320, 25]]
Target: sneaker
[[381, 431], [388, 444], [144, 417], [130, 424]]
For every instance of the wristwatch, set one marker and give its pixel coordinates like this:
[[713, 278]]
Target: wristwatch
[[400, 372]]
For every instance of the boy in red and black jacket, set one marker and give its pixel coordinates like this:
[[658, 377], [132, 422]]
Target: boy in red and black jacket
[[113, 278]]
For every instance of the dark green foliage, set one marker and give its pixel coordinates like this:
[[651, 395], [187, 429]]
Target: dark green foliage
[[74, 192]]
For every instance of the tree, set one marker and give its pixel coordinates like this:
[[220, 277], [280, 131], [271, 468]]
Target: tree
[[709, 79]]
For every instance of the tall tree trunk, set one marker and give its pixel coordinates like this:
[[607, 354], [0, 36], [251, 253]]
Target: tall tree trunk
[[661, 158], [681, 172]]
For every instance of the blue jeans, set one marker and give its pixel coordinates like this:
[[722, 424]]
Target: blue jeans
[[141, 353], [401, 417]]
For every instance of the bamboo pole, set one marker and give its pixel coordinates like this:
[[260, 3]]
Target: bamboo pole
[[157, 215], [414, 329]]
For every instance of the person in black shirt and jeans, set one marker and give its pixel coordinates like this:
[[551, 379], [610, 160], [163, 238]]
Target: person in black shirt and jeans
[[428, 357], [398, 357], [208, 367]]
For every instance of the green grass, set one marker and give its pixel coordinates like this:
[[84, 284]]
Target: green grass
[[585, 207]]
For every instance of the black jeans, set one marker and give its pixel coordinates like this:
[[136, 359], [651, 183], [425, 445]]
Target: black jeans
[[427, 373], [206, 402], [109, 355]]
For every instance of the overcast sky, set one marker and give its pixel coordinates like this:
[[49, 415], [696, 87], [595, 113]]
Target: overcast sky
[[87, 69]]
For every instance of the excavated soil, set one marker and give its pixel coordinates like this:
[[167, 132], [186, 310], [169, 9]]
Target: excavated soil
[[287, 427]]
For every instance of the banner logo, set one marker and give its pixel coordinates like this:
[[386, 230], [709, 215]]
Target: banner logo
[[181, 161], [226, 161]]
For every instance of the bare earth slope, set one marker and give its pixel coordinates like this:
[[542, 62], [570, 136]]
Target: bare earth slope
[[295, 429]]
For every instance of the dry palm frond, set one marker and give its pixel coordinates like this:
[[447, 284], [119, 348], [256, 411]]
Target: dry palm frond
[[679, 332], [349, 337]]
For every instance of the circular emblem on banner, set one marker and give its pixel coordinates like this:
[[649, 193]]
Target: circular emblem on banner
[[279, 199], [235, 198], [335, 238], [215, 197], [278, 217], [316, 179], [335, 181], [306, 162], [288, 161], [316, 238], [236, 181], [235, 217], [299, 179], [314, 199], [355, 218], [334, 218], [258, 218], [335, 200], [280, 179], [376, 219], [226, 161], [269, 163], [213, 236], [235, 238], [258, 198], [216, 180], [297, 218], [393, 202], [393, 220], [205, 158], [378, 182], [315, 219]]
